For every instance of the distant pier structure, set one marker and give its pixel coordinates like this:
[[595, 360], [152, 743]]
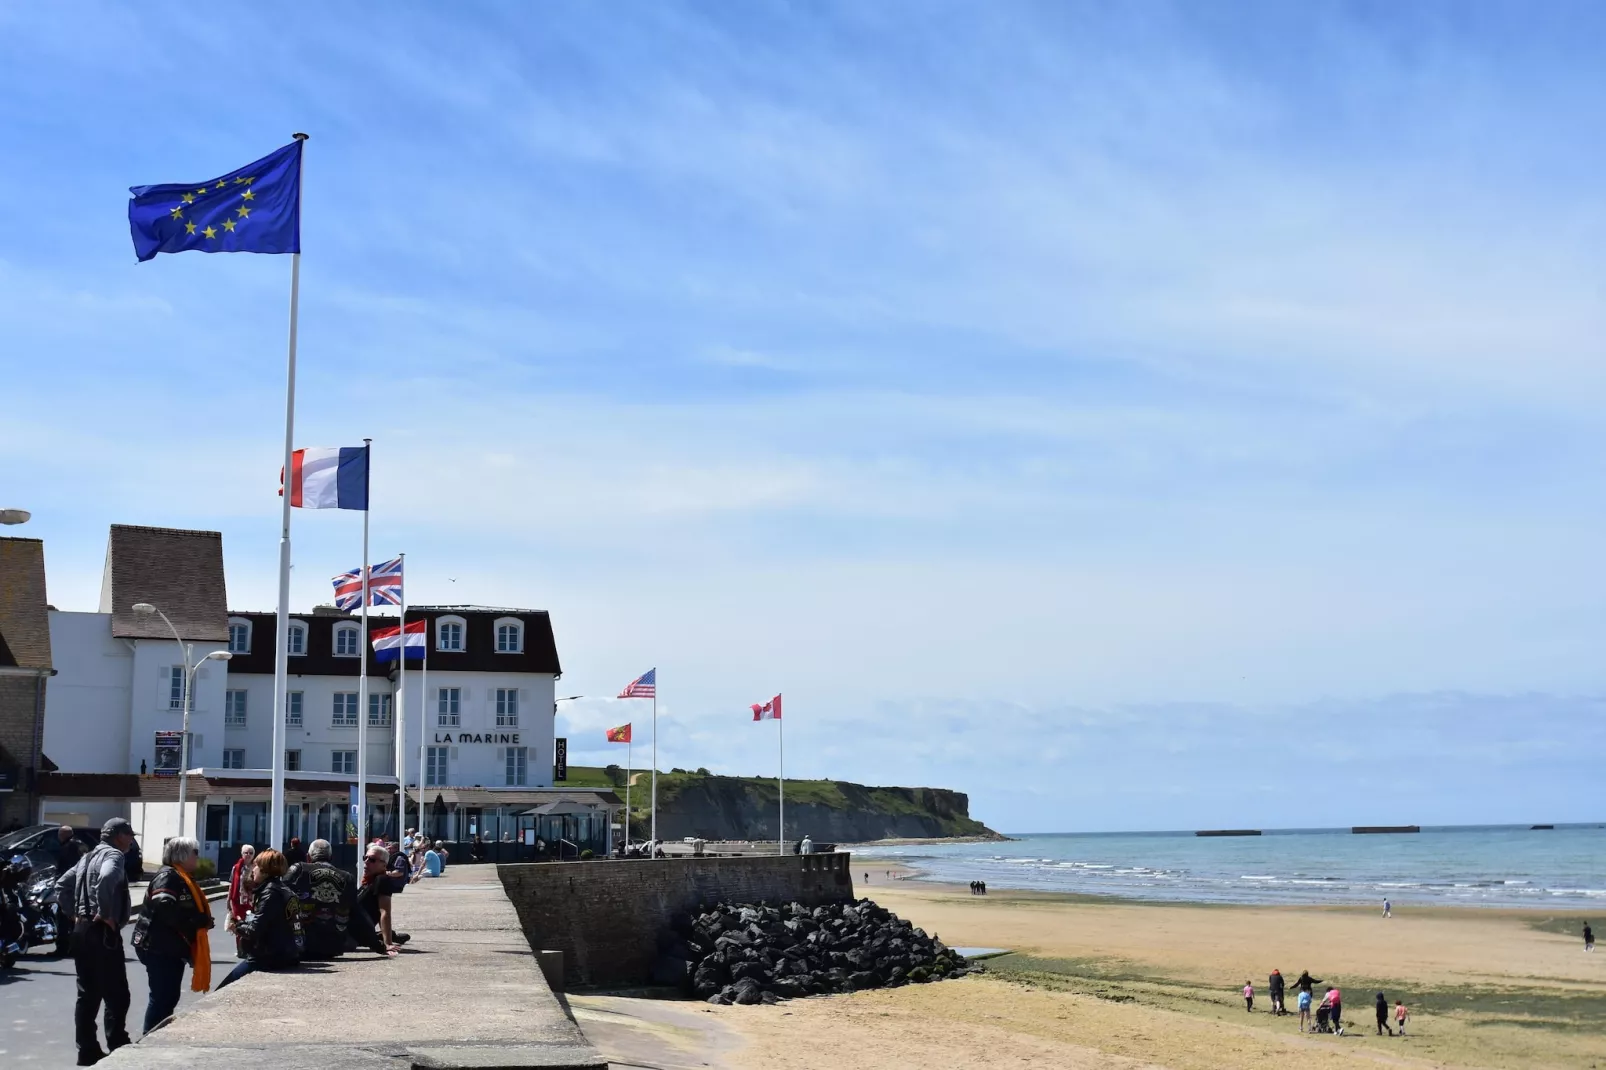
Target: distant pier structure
[[1361, 830], [1228, 832], [1542, 828]]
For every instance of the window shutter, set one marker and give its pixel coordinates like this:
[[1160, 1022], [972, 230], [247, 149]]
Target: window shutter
[[454, 753]]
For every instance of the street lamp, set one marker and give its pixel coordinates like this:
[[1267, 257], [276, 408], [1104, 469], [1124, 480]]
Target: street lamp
[[145, 609], [14, 516]]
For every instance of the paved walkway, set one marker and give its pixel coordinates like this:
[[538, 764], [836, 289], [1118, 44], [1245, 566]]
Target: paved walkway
[[465, 993]]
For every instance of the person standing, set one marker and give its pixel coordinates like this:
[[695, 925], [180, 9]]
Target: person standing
[[171, 932], [1589, 937], [242, 882], [1382, 1008], [270, 935], [68, 849], [1275, 986], [295, 854], [1249, 997], [1335, 1003], [1388, 912], [1400, 1015], [102, 907]]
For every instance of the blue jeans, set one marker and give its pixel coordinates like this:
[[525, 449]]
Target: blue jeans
[[165, 976]]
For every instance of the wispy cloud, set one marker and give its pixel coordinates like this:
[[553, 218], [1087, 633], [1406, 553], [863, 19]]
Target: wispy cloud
[[933, 362]]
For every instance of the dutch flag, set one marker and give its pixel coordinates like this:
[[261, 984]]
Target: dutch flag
[[388, 642], [329, 477]]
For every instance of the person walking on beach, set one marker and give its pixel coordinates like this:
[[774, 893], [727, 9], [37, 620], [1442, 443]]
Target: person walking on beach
[[1249, 997], [1304, 1010], [1589, 937], [1383, 1015], [1276, 986], [1387, 913], [1335, 1009], [1400, 1016]]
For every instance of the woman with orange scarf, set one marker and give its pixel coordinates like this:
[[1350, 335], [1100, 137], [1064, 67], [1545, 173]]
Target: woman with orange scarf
[[172, 931]]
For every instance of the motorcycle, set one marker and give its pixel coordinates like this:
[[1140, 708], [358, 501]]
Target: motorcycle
[[27, 909]]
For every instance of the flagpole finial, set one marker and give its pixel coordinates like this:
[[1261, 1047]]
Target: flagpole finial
[[301, 137]]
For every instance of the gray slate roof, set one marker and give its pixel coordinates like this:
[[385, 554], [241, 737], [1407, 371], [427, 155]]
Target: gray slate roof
[[179, 572], [24, 616]]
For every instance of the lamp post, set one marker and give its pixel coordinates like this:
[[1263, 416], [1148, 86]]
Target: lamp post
[[14, 516], [145, 609]]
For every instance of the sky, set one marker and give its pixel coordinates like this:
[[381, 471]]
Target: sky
[[1136, 416]]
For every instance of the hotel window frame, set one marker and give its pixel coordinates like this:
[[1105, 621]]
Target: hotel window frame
[[516, 766], [343, 757], [237, 752], [451, 717], [233, 718], [505, 627], [341, 631], [382, 704], [506, 702], [177, 679], [296, 635], [461, 627], [437, 766], [343, 710], [292, 765], [237, 624]]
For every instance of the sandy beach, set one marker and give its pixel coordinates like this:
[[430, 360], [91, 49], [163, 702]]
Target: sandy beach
[[1123, 984]]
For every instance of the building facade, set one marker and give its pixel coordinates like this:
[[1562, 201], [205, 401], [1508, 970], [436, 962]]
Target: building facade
[[25, 671], [476, 716]]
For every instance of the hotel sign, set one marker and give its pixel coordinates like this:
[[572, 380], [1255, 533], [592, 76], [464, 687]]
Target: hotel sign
[[477, 737]]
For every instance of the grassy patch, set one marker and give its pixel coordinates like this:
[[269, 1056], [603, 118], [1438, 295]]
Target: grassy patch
[[1565, 924]]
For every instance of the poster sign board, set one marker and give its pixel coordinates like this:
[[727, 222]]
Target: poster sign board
[[169, 753]]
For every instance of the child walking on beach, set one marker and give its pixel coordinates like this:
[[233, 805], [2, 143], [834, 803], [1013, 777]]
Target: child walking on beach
[[1304, 1009], [1383, 1015], [1400, 1016], [1249, 997]]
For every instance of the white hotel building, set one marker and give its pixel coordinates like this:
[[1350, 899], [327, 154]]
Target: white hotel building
[[482, 732]]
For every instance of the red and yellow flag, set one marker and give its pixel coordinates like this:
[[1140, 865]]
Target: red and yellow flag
[[620, 734]]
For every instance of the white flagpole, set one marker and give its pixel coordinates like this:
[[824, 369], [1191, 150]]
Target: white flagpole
[[423, 726], [281, 662], [780, 781], [655, 759], [630, 748], [362, 685], [400, 712]]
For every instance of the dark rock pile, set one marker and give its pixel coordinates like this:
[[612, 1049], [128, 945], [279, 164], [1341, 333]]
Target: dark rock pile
[[763, 954]]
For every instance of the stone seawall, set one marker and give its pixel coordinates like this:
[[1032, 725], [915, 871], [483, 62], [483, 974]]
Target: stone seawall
[[607, 917]]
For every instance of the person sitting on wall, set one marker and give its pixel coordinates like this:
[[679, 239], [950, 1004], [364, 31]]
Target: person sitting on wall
[[271, 932], [373, 897], [326, 896], [432, 860]]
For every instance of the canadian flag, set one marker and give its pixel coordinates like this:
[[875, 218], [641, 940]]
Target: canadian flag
[[768, 711]]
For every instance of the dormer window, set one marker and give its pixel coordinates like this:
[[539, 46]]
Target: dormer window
[[296, 639], [239, 636], [509, 636], [449, 633], [348, 641]]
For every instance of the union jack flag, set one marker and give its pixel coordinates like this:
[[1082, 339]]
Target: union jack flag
[[643, 686], [384, 586]]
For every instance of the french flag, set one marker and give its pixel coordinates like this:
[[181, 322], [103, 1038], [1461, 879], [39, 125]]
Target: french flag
[[329, 477], [389, 644]]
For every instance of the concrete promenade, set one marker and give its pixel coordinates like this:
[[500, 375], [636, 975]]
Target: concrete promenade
[[466, 992]]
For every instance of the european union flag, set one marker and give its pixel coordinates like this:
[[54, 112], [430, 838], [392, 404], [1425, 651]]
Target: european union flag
[[256, 209]]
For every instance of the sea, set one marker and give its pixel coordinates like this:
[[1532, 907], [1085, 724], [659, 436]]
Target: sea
[[1478, 865]]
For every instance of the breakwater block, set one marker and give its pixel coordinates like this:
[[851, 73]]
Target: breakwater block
[[762, 954], [1228, 832], [1364, 830]]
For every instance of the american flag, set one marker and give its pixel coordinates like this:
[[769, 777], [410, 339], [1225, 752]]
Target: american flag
[[384, 586], [643, 686]]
